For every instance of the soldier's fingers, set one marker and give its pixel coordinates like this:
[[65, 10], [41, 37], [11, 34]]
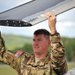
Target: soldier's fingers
[[50, 15], [47, 15]]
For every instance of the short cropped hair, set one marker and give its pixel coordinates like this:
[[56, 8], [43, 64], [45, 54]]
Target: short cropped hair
[[42, 31]]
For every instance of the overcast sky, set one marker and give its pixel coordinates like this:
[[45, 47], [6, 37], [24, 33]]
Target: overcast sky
[[65, 21]]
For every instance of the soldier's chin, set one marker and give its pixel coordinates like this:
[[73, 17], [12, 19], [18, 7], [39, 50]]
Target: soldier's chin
[[36, 52]]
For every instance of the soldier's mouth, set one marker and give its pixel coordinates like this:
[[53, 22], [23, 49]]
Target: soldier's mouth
[[36, 47]]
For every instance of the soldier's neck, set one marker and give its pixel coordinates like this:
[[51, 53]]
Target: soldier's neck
[[41, 55]]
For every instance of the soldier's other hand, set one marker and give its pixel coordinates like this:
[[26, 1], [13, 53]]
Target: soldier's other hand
[[51, 21], [1, 42]]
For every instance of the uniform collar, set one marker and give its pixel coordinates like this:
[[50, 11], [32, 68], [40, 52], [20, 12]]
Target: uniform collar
[[41, 62]]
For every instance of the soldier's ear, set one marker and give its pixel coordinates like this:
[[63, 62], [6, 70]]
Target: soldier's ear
[[49, 42]]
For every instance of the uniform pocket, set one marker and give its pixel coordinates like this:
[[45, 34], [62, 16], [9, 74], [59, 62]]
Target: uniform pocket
[[25, 72], [37, 72]]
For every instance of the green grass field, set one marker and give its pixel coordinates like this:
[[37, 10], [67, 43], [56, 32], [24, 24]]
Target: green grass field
[[6, 70]]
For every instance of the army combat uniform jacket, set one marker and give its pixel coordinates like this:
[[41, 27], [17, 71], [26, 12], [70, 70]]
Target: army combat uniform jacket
[[24, 63]]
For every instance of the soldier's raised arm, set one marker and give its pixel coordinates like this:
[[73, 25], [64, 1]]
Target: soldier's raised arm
[[2, 46], [6, 56], [58, 61], [14, 60]]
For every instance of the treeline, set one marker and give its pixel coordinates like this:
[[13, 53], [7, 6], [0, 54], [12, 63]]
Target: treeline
[[18, 42], [69, 44]]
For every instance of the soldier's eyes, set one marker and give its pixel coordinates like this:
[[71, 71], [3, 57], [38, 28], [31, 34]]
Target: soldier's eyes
[[37, 40], [33, 39]]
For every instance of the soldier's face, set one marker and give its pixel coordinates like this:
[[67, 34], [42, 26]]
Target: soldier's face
[[40, 43]]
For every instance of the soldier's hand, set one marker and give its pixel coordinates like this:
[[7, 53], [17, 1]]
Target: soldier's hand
[[52, 21], [1, 42]]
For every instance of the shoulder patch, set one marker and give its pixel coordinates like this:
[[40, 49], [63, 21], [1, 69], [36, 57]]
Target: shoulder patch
[[18, 53]]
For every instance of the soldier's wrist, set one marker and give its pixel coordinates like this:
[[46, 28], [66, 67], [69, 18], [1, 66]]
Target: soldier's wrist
[[56, 33]]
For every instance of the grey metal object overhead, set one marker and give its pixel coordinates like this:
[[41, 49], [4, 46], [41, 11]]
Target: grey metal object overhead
[[31, 11]]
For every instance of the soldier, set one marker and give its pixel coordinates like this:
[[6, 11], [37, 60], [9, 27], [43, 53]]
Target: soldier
[[42, 62]]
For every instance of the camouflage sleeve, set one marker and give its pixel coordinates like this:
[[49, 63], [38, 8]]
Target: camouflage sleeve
[[58, 61], [8, 57]]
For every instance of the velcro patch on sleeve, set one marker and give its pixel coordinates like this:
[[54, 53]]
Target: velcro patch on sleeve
[[18, 53]]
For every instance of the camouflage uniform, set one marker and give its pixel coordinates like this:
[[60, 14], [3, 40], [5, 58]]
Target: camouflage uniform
[[53, 64]]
